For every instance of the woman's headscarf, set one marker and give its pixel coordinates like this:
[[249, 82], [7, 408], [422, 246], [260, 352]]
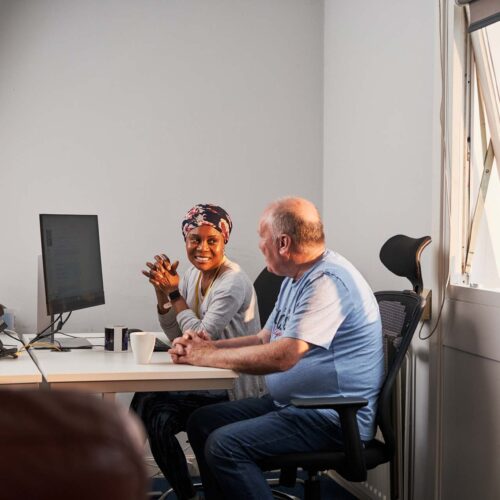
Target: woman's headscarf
[[208, 215]]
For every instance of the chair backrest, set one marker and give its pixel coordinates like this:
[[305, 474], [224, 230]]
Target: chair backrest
[[401, 255], [267, 287], [400, 313]]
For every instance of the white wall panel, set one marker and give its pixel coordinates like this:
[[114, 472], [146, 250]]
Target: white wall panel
[[472, 322], [471, 437]]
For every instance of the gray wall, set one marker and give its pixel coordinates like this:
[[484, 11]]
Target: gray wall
[[381, 147], [135, 111]]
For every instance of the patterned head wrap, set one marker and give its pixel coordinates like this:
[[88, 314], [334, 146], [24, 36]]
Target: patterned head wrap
[[208, 215]]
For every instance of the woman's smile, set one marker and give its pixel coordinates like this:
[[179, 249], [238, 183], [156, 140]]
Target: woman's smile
[[205, 248]]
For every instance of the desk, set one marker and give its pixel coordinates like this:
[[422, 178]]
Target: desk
[[19, 373], [100, 371]]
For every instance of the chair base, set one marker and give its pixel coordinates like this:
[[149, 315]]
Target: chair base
[[281, 495], [197, 487], [278, 495]]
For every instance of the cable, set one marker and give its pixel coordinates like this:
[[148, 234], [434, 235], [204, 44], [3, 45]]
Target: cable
[[25, 347], [39, 343], [14, 336], [437, 320], [40, 335], [62, 323], [50, 326], [11, 333]]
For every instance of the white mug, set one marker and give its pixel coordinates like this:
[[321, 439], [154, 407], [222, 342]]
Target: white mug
[[142, 344]]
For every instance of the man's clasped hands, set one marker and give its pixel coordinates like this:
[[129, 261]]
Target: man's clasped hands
[[192, 348]]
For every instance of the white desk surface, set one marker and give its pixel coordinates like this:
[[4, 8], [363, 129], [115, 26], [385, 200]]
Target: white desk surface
[[97, 370], [19, 372]]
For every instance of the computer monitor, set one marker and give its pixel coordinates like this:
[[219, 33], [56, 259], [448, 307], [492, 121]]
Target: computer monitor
[[71, 259]]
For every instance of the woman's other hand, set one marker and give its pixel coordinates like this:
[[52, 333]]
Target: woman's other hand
[[163, 276]]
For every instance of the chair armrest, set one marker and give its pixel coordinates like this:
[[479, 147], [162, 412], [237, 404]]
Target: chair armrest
[[347, 408], [333, 403]]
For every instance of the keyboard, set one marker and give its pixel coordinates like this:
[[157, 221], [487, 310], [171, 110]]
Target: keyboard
[[161, 346]]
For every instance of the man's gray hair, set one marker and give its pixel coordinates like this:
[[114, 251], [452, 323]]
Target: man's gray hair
[[285, 219]]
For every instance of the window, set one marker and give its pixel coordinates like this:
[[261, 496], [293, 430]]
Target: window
[[473, 130]]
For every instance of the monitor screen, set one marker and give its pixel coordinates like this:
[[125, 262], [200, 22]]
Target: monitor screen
[[71, 262]]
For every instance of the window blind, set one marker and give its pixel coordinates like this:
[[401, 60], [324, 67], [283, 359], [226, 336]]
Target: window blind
[[482, 12]]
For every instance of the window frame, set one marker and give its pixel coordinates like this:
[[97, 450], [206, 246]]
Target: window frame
[[464, 55]]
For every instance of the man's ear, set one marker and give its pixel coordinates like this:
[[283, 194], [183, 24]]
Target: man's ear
[[284, 244]]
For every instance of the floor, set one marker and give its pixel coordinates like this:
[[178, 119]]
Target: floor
[[330, 490]]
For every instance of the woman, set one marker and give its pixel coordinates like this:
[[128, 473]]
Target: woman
[[215, 298]]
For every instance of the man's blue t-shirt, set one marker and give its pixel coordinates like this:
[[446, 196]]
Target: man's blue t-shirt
[[332, 308]]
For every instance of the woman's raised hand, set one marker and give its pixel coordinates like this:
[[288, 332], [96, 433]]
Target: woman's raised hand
[[162, 274]]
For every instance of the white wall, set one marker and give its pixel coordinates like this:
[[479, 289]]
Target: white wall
[[381, 148], [135, 111], [471, 399]]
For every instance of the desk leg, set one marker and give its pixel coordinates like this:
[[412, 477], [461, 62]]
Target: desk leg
[[109, 396]]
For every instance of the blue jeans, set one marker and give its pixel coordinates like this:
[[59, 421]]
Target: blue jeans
[[229, 438], [164, 414]]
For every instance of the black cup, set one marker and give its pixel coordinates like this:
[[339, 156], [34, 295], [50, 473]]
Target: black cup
[[116, 338]]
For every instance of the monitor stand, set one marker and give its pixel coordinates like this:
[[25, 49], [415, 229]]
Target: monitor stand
[[44, 320], [64, 342], [73, 343]]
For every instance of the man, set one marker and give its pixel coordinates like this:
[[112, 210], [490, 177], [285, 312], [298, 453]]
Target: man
[[322, 339]]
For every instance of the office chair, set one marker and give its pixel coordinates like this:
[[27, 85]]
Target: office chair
[[400, 312], [267, 287]]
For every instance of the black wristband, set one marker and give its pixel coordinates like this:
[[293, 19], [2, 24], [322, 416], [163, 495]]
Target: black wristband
[[174, 295]]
